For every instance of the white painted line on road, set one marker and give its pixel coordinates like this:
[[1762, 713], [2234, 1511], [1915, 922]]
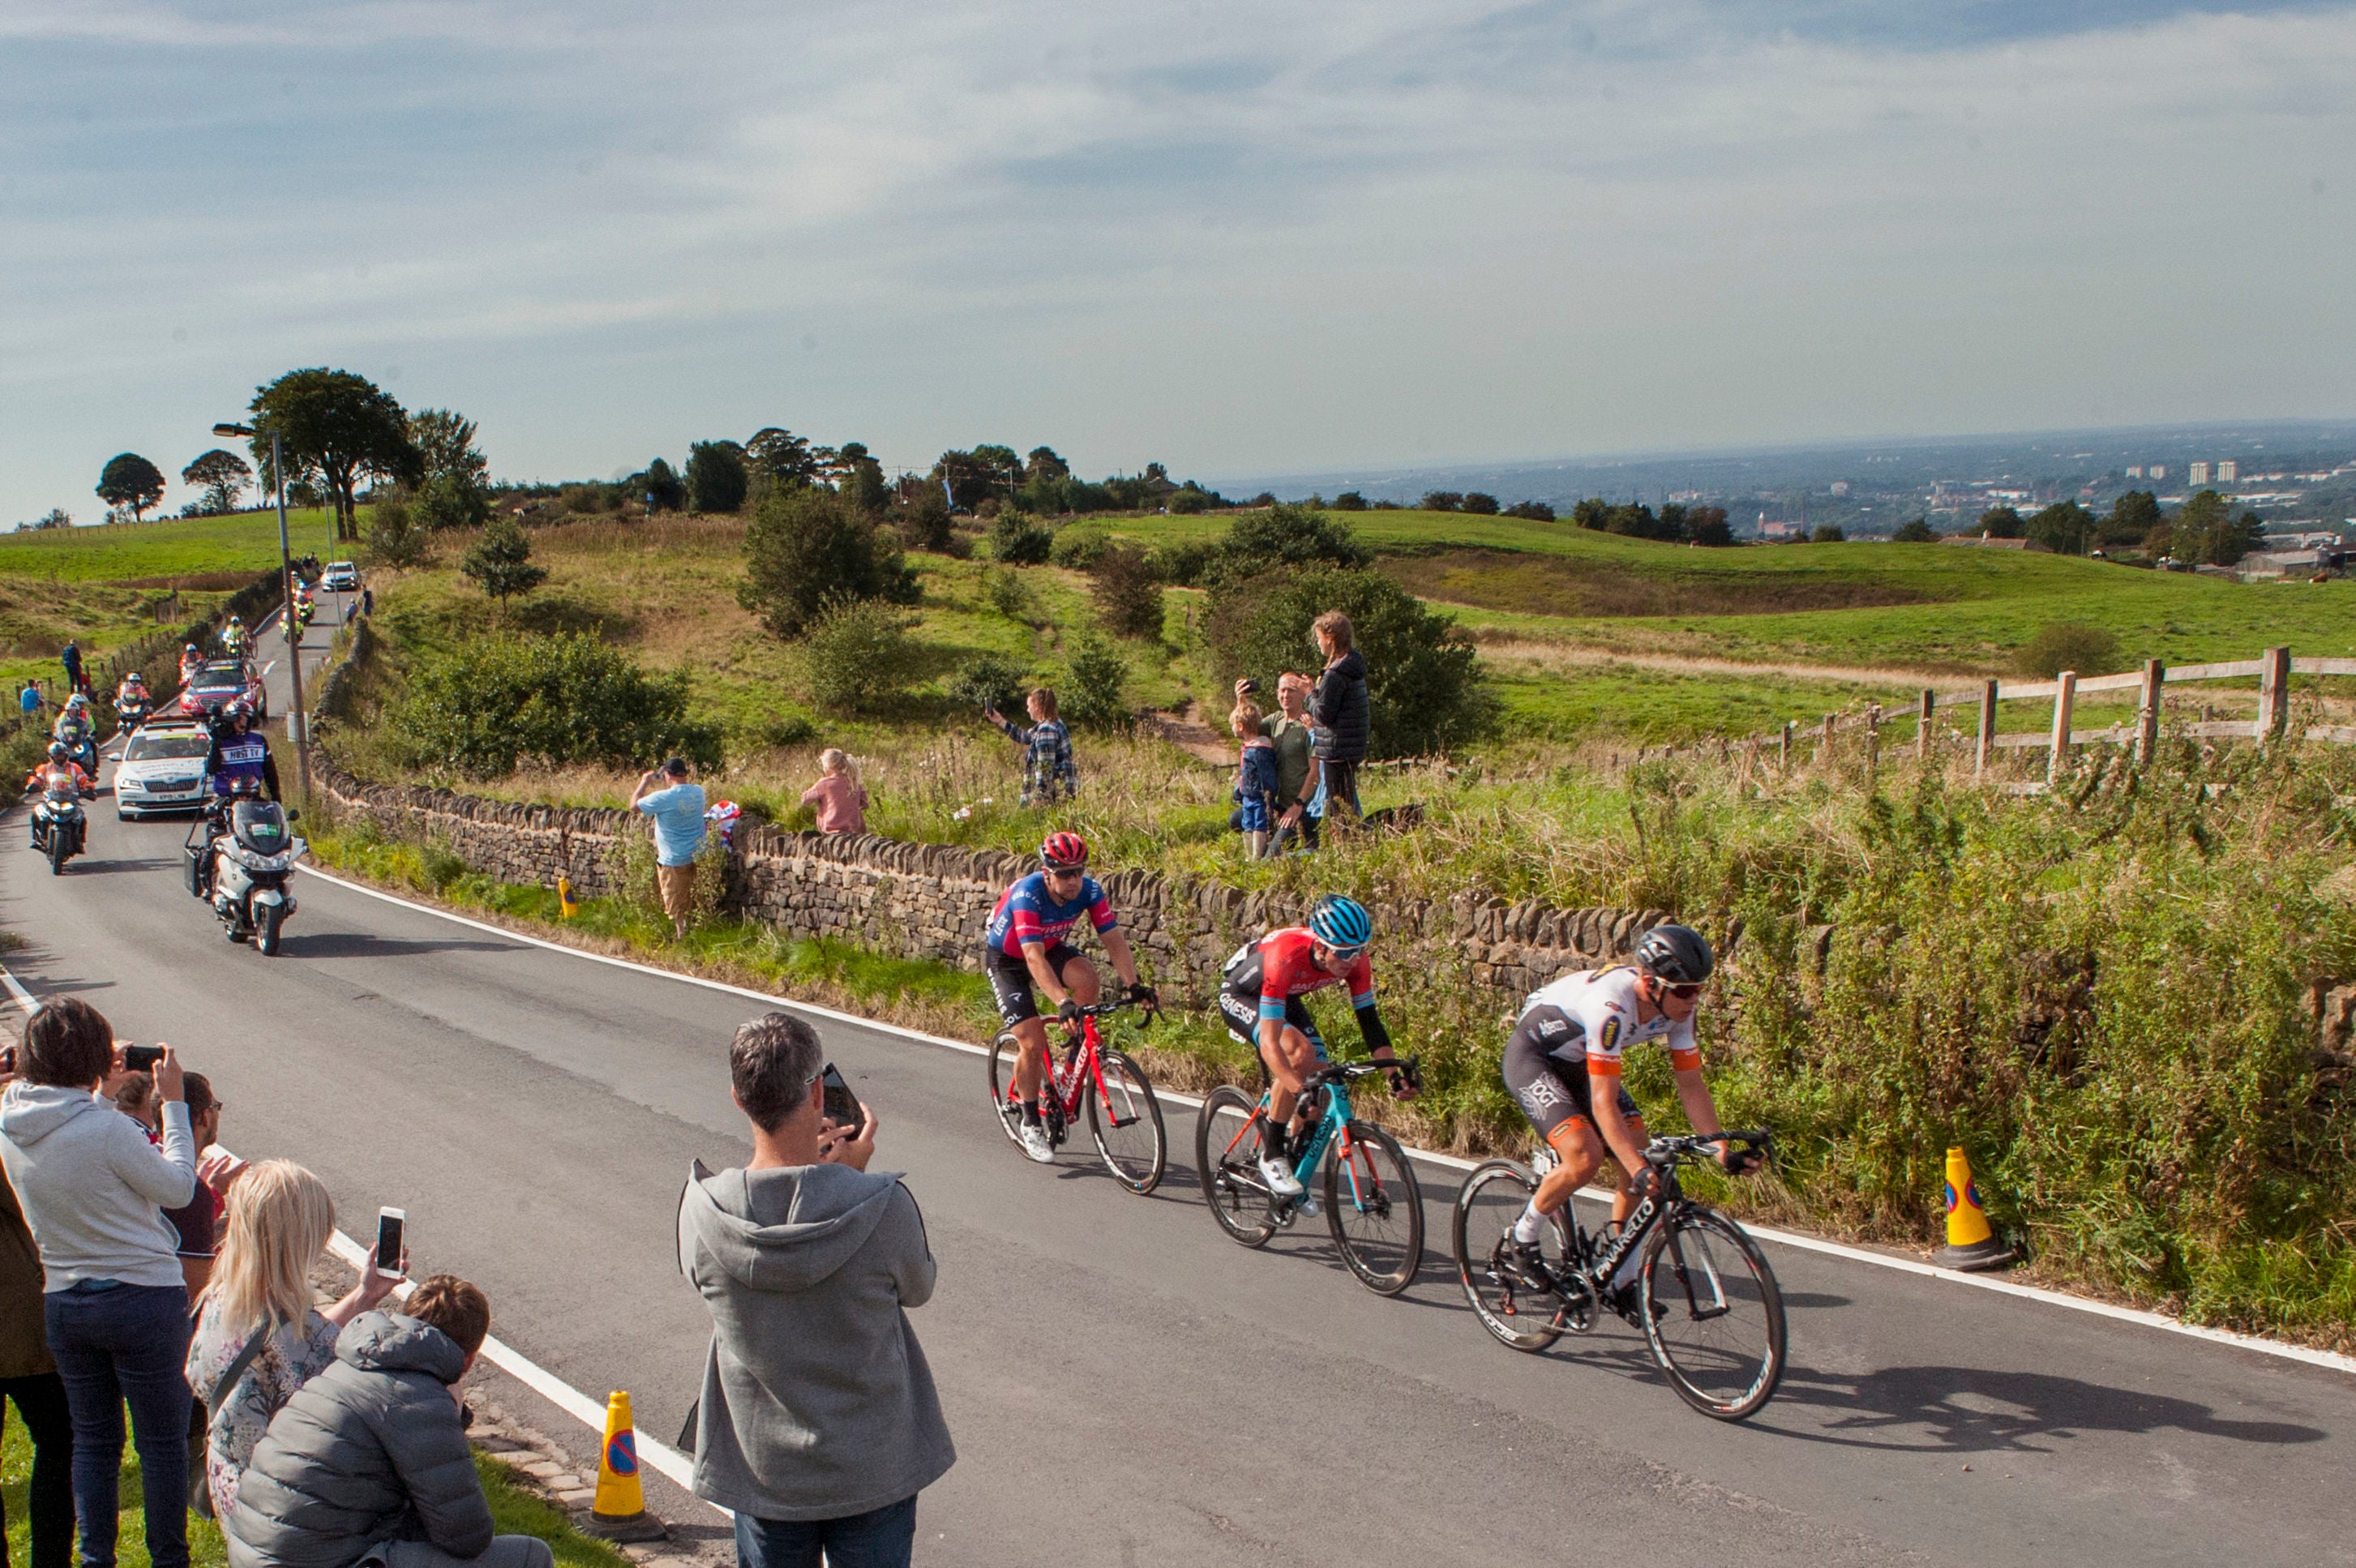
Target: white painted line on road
[[2289, 1352], [22, 997]]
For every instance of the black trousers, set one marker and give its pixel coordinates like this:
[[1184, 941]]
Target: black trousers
[[41, 1402]]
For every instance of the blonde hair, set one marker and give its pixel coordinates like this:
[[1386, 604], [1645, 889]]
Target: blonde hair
[[1245, 719], [1337, 628], [280, 1218], [834, 759]]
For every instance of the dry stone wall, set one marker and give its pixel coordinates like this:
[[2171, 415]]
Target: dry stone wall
[[921, 900]]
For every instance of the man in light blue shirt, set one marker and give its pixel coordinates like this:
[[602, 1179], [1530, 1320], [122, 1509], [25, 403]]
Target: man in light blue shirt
[[677, 807]]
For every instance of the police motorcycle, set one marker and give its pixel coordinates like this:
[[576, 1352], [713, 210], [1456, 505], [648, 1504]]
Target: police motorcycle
[[239, 859], [132, 707], [60, 827]]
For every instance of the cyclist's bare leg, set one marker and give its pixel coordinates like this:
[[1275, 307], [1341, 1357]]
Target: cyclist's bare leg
[[1031, 1061], [1081, 980], [1623, 1205], [1579, 1154], [1291, 1060]]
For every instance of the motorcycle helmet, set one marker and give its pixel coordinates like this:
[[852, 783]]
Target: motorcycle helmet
[[1678, 954], [59, 752], [188, 648], [239, 709], [135, 680], [1341, 923], [1064, 852]]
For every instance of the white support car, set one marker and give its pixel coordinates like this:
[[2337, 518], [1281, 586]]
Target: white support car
[[162, 768], [340, 577]]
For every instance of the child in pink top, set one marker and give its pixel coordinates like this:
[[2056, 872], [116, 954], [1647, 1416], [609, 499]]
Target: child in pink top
[[841, 803]]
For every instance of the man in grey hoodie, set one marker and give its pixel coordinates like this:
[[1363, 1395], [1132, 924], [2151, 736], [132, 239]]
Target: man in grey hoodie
[[819, 1421]]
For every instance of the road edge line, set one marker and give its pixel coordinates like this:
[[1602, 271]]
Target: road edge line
[[2331, 1360]]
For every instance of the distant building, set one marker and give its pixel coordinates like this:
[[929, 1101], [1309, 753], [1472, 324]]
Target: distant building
[[1776, 528], [2197, 475], [1840, 487], [2228, 471], [2135, 471], [2157, 471]]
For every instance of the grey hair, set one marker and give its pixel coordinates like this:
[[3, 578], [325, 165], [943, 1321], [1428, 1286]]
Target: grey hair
[[772, 1062]]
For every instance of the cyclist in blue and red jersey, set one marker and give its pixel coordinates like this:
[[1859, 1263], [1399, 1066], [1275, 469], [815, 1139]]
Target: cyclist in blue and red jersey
[[1260, 996], [1025, 953]]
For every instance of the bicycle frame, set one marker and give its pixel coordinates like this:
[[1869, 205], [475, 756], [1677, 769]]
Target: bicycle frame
[[1332, 1130], [1068, 1080]]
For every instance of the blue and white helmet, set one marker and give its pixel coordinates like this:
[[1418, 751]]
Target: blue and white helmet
[[1340, 922]]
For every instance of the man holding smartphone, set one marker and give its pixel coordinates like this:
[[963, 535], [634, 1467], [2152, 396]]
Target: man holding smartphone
[[819, 1423]]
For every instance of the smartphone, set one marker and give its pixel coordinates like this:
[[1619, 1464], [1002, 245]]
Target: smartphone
[[389, 1224], [141, 1059], [839, 1105], [7, 1059]]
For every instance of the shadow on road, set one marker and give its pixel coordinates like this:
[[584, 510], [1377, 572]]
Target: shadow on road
[[360, 944], [1965, 1410]]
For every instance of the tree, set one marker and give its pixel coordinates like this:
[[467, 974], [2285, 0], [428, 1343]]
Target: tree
[[500, 561], [1128, 591], [974, 476], [1290, 533], [57, 517], [2000, 522], [715, 476], [444, 442], [1042, 463], [1827, 534], [2206, 534], [130, 480], [1481, 503], [1425, 686], [1592, 513], [1349, 500], [221, 476], [658, 487], [394, 538], [342, 424], [784, 458], [1918, 531], [806, 549], [1094, 684], [1706, 526], [1442, 501], [2132, 517], [2065, 528], [860, 477], [1536, 511], [451, 500]]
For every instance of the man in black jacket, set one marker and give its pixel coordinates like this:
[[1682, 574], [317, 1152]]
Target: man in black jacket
[[1339, 707], [369, 1462]]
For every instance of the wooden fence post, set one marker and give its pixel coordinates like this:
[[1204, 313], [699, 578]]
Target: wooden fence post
[[2065, 697], [1987, 729], [2155, 674], [1927, 711], [1784, 760], [2274, 694], [1824, 741], [1872, 743]]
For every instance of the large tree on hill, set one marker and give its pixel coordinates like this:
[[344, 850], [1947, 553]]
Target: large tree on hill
[[715, 476], [129, 480], [788, 459], [343, 424], [2065, 528], [222, 475]]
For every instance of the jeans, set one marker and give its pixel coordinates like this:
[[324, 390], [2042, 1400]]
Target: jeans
[[41, 1402], [880, 1538], [117, 1345]]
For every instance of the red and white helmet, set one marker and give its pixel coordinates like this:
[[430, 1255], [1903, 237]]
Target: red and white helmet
[[1064, 852]]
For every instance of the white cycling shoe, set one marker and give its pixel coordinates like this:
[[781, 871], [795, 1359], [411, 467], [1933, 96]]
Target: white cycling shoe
[[1279, 1178], [1035, 1143]]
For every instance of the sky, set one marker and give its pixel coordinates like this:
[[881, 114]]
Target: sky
[[1233, 236]]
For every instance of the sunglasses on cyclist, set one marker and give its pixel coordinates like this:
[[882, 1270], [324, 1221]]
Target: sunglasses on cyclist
[[1682, 993]]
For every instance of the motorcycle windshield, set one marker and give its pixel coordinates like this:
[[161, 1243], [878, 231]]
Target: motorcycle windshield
[[260, 826], [58, 787]]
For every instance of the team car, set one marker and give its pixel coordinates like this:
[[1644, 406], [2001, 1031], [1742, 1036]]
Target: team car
[[163, 768], [340, 577], [218, 683]]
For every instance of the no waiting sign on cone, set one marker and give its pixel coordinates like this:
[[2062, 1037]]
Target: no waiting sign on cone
[[620, 1511], [1971, 1244]]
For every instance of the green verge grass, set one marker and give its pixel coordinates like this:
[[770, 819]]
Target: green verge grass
[[243, 542], [515, 1509]]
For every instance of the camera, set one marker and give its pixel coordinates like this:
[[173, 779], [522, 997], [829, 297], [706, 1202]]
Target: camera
[[141, 1059]]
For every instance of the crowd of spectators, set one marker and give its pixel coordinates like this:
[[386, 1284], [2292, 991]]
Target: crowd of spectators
[[1300, 764]]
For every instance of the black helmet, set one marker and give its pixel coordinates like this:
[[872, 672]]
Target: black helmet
[[57, 751], [1678, 954]]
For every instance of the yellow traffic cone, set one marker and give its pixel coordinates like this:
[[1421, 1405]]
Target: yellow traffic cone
[[1971, 1244], [565, 908], [619, 1512]]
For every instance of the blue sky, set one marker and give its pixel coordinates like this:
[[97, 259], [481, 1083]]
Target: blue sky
[[1234, 237]]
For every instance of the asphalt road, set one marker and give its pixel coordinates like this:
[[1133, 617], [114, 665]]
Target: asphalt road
[[1125, 1385]]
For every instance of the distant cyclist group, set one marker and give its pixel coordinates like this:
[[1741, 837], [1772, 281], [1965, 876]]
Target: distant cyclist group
[[1687, 1278]]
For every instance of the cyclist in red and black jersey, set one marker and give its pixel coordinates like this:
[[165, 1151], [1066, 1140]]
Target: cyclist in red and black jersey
[[1260, 996], [1023, 952]]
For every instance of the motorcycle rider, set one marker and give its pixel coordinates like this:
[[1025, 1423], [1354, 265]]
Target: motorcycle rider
[[131, 694], [192, 658], [60, 761], [239, 751], [233, 637], [75, 729]]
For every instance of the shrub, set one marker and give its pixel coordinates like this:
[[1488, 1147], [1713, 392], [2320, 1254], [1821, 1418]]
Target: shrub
[[394, 537], [1011, 596], [857, 657], [1349, 500], [923, 520], [486, 705], [592, 497], [2059, 646], [1092, 692], [1019, 541], [1480, 504], [1918, 531], [1423, 679], [1078, 548], [716, 479], [500, 561], [1184, 563], [1536, 511], [1827, 534], [1288, 534], [1185, 501], [991, 680], [630, 866], [453, 500], [806, 549], [1128, 592]]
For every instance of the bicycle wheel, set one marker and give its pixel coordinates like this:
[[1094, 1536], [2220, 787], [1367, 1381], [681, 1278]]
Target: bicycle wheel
[[1126, 1122], [1227, 1148], [1510, 1308], [1713, 1314], [1004, 1053], [1376, 1209]]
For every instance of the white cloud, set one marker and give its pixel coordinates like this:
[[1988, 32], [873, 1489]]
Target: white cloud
[[1226, 235]]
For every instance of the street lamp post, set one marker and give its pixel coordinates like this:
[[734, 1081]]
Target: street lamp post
[[298, 723]]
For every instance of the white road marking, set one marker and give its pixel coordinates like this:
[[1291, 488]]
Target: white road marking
[[18, 994], [2289, 1352]]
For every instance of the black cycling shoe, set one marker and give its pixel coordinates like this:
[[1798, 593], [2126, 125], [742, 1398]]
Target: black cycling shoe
[[1528, 1263], [1626, 1302]]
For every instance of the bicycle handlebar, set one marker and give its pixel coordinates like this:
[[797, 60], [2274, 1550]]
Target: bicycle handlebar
[[1118, 1005], [1670, 1151], [1408, 1068]]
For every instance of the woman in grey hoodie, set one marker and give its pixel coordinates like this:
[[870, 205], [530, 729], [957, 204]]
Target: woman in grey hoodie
[[818, 1421], [115, 1305]]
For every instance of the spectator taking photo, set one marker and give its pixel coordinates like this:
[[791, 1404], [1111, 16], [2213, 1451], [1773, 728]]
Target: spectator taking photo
[[1048, 772], [677, 806]]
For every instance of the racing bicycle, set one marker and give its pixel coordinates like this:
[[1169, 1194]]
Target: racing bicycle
[[1124, 1117], [1370, 1198], [1711, 1310]]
